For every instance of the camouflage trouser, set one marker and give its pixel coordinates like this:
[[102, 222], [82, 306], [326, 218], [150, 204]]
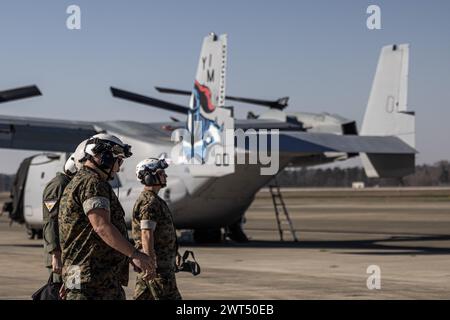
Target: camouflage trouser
[[111, 291], [163, 287]]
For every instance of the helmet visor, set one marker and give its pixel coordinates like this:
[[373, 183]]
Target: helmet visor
[[122, 151]]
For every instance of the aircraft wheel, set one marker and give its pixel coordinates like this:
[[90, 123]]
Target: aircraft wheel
[[34, 233], [31, 233], [236, 233]]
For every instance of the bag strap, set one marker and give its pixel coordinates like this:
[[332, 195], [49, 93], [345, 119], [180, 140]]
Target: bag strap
[[50, 279]]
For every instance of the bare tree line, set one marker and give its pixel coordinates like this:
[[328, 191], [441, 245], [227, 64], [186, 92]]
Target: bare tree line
[[6, 182], [425, 175]]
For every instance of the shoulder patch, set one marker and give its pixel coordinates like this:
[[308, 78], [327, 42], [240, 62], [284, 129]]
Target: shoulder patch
[[50, 204]]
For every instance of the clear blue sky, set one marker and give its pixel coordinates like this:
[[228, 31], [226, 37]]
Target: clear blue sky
[[319, 53]]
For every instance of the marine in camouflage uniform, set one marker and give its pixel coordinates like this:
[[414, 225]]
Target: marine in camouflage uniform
[[151, 209], [91, 268], [51, 197]]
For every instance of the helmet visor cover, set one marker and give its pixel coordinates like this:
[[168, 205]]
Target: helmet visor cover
[[121, 151], [100, 146]]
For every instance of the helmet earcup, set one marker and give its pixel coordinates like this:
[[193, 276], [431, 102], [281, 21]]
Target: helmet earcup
[[107, 160], [149, 179]]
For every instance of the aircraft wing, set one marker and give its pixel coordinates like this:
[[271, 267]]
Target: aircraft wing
[[303, 142], [389, 155], [291, 143], [63, 135], [43, 134]]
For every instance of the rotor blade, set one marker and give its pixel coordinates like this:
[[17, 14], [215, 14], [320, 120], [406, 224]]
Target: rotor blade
[[19, 93], [127, 95], [173, 91], [277, 104]]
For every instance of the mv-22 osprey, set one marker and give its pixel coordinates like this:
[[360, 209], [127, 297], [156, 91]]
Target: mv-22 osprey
[[207, 198]]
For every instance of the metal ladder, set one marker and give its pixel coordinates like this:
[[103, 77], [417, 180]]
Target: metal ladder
[[278, 201]]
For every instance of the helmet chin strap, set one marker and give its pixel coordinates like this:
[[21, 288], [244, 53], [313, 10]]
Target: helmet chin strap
[[162, 185], [108, 174], [111, 174]]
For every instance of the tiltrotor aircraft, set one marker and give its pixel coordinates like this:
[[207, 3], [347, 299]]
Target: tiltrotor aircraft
[[215, 190]]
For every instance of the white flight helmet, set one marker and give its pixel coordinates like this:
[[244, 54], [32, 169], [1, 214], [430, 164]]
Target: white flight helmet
[[75, 160], [79, 154], [70, 166], [147, 168], [118, 148]]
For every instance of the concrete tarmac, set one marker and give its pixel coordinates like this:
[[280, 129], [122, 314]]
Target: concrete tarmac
[[405, 232]]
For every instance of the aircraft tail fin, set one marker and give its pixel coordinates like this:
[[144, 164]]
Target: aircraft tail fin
[[209, 86], [209, 121], [387, 114]]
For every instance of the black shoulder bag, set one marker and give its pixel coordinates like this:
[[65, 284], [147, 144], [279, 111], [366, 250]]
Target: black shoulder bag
[[48, 292]]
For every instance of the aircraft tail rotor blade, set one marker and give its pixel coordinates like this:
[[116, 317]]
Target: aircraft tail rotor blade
[[279, 104], [149, 101], [19, 93]]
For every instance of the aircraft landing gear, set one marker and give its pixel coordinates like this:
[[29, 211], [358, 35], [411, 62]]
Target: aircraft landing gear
[[34, 233], [236, 232]]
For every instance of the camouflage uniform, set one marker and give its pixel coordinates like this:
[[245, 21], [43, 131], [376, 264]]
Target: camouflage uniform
[[100, 270], [149, 206], [51, 197]]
